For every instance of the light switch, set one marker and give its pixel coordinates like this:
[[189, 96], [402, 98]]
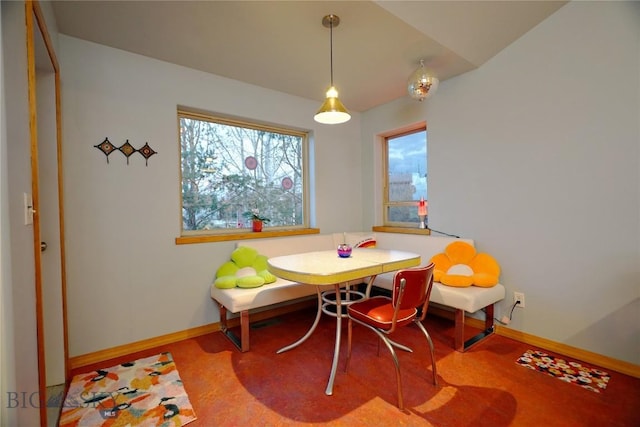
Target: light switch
[[28, 209]]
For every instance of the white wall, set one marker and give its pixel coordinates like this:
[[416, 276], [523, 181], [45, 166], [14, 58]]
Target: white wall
[[535, 155], [18, 323], [126, 278]]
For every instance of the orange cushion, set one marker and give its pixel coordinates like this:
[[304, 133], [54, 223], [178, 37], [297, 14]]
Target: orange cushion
[[486, 270], [443, 263], [460, 266], [460, 252], [457, 280]]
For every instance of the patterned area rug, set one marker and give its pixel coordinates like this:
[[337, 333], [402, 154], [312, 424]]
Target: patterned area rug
[[565, 370], [146, 392]]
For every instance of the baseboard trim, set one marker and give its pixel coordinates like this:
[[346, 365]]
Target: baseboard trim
[[566, 350], [543, 343], [123, 350]]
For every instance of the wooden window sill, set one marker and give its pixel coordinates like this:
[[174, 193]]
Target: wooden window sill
[[402, 230], [187, 240]]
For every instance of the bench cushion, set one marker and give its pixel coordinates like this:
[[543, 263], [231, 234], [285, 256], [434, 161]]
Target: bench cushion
[[469, 299], [240, 299]]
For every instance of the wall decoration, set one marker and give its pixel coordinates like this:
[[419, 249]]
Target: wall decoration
[[146, 152], [127, 149], [106, 147]]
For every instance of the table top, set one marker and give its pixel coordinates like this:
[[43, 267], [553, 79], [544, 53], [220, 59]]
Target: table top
[[327, 268]]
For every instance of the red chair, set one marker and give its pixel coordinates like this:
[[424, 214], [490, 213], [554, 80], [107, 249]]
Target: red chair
[[383, 315]]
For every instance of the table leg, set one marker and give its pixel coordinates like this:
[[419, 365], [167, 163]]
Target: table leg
[[336, 351], [310, 331]]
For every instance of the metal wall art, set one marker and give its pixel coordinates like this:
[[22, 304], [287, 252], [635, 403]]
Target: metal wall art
[[127, 149]]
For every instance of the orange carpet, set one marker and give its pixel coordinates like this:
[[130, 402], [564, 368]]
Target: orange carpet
[[482, 387]]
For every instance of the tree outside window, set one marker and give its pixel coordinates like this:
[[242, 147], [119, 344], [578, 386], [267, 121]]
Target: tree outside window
[[230, 167]]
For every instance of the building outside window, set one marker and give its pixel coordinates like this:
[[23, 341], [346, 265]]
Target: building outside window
[[405, 163], [230, 166]]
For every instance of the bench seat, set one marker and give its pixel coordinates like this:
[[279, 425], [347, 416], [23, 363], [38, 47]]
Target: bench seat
[[461, 300]]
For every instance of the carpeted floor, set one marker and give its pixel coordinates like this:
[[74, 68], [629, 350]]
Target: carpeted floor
[[482, 387]]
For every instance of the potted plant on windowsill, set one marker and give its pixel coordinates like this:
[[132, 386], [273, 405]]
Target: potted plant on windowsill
[[256, 219]]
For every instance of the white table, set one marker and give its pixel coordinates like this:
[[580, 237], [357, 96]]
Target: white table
[[327, 268]]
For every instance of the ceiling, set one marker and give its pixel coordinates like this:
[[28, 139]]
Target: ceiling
[[282, 45]]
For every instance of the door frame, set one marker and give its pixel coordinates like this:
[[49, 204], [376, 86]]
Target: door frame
[[35, 21]]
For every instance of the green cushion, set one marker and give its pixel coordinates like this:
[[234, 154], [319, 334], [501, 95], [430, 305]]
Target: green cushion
[[267, 276], [244, 256], [250, 282], [227, 269], [226, 282], [260, 263]]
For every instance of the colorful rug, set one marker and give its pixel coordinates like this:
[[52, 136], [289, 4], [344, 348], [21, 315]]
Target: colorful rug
[[146, 392], [565, 370]]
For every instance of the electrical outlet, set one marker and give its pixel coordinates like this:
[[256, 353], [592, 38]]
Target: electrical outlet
[[519, 298]]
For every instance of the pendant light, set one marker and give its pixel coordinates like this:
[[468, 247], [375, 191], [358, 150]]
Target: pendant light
[[422, 83], [332, 111]]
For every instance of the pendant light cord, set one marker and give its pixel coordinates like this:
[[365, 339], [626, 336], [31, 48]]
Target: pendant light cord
[[331, 46]]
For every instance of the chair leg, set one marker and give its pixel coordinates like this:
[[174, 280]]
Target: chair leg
[[397, 364], [383, 338], [400, 346], [431, 349]]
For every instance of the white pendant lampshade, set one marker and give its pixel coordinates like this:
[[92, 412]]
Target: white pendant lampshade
[[422, 83]]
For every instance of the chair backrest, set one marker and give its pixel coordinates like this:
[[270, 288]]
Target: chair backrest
[[417, 288]]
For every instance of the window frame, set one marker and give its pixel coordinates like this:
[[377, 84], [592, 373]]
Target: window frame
[[225, 234], [386, 203]]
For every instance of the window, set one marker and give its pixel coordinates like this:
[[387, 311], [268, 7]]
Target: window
[[230, 167], [405, 164]]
